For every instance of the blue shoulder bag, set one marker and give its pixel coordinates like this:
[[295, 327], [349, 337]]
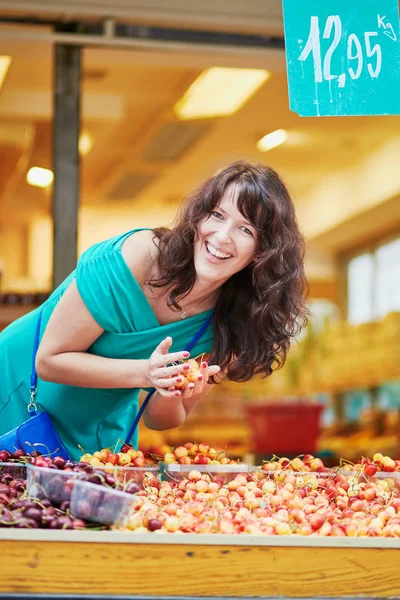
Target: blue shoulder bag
[[38, 432]]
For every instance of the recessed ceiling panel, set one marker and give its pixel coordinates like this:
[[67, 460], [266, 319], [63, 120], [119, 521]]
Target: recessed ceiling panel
[[173, 140], [129, 185]]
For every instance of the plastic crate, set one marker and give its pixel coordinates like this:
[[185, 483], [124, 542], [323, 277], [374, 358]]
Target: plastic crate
[[125, 475], [51, 484], [17, 470], [101, 504], [283, 428], [177, 472]]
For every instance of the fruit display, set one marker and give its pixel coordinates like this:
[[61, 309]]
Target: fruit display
[[305, 463], [196, 454], [190, 453], [128, 456], [281, 497], [338, 358]]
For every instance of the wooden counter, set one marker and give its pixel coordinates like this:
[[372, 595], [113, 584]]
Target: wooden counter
[[119, 563]]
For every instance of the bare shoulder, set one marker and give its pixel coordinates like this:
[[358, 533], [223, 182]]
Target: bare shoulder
[[140, 251]]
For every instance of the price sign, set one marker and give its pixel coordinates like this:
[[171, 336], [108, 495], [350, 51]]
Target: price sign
[[343, 57]]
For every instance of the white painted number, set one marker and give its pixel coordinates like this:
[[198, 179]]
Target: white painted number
[[353, 40], [313, 45], [376, 49], [332, 20]]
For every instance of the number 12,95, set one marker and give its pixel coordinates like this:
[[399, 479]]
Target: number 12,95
[[354, 51]]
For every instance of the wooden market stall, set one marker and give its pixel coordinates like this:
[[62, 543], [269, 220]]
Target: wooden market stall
[[108, 563]]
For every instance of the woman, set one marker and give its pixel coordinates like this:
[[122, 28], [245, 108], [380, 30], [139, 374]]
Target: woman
[[120, 320]]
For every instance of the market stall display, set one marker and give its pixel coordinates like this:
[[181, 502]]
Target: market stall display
[[268, 529], [281, 497]]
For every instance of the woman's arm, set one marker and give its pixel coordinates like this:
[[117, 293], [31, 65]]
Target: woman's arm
[[167, 413], [62, 356]]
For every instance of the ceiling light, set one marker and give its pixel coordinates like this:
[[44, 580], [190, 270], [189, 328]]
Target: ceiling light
[[219, 91], [272, 140], [39, 177], [85, 143], [5, 62]]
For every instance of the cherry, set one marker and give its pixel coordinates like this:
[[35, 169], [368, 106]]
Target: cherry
[[64, 522], [78, 524], [110, 480], [27, 524], [126, 447], [132, 488], [59, 462], [33, 513], [18, 454], [154, 524], [4, 455], [41, 462]]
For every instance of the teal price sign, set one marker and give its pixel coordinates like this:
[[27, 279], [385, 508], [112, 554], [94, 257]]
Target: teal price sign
[[343, 57]]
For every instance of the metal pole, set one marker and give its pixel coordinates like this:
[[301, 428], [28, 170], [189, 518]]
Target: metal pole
[[66, 122]]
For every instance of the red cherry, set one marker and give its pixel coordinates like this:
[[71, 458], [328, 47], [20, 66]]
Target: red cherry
[[370, 469], [4, 455], [126, 447], [40, 461]]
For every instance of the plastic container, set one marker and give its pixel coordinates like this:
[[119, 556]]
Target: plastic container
[[310, 480], [331, 473], [53, 484], [177, 472], [392, 479], [17, 470], [287, 428], [101, 504], [125, 475]]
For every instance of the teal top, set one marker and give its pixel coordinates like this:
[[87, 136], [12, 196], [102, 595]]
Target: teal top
[[87, 418]]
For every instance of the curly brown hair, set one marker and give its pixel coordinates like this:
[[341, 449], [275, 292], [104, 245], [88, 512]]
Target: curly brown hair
[[262, 307]]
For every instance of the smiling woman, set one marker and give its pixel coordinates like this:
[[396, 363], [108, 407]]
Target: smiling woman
[[237, 240], [229, 274]]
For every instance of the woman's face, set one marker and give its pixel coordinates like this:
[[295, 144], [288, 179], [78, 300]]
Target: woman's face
[[226, 242]]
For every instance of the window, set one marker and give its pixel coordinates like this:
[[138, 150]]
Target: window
[[387, 292], [373, 283]]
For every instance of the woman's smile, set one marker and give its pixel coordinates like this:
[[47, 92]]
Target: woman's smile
[[216, 253]]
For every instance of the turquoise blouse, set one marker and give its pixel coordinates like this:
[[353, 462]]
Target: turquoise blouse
[[89, 419]]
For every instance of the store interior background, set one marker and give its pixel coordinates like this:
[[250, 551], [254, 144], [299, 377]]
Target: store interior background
[[139, 160]]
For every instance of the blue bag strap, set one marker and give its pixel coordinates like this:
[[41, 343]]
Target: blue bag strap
[[188, 348], [32, 406]]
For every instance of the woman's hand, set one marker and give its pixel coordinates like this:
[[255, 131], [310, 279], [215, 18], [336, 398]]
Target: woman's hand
[[170, 407], [163, 377], [198, 386]]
